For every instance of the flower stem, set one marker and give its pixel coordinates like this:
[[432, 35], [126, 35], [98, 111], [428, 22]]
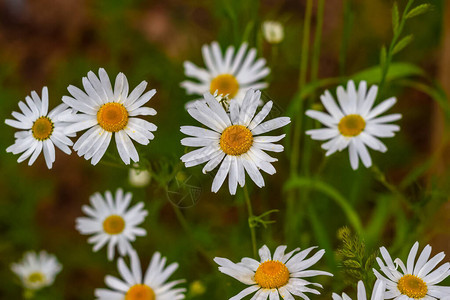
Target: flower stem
[[28, 294], [251, 224]]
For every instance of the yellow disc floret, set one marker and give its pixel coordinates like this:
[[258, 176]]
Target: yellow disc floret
[[224, 84], [140, 292], [36, 277], [112, 117], [42, 128], [351, 125], [272, 274], [412, 286], [114, 224], [236, 140]]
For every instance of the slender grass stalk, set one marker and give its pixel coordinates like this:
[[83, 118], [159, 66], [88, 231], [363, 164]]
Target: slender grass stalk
[[397, 33], [251, 224], [290, 203], [302, 80], [348, 22], [314, 76], [293, 219]]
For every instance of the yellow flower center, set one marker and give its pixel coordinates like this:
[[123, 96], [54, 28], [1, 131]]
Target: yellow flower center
[[36, 277], [412, 286], [112, 117], [224, 84], [42, 128], [140, 292], [351, 125], [113, 224], [236, 140], [272, 274]]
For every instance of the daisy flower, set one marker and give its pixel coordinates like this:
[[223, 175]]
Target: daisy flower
[[281, 275], [354, 123], [133, 286], [229, 75], [37, 270], [40, 131], [416, 280], [107, 112], [377, 293], [234, 140], [112, 221]]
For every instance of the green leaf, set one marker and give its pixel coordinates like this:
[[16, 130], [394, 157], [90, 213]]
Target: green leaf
[[402, 43], [396, 71], [352, 264], [316, 184], [418, 10], [395, 18]]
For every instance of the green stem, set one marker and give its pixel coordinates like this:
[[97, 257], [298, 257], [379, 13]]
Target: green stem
[[274, 55], [251, 225], [28, 294], [396, 36]]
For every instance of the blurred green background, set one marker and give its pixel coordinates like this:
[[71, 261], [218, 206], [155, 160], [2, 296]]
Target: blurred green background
[[56, 42]]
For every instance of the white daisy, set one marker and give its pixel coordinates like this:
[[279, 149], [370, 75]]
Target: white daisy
[[233, 140], [105, 112], [111, 221], [40, 130], [133, 286], [283, 275], [228, 75], [416, 280], [377, 293], [37, 270], [354, 124]]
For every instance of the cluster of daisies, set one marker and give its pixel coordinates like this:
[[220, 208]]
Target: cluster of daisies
[[230, 108], [232, 139], [100, 110], [281, 275]]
